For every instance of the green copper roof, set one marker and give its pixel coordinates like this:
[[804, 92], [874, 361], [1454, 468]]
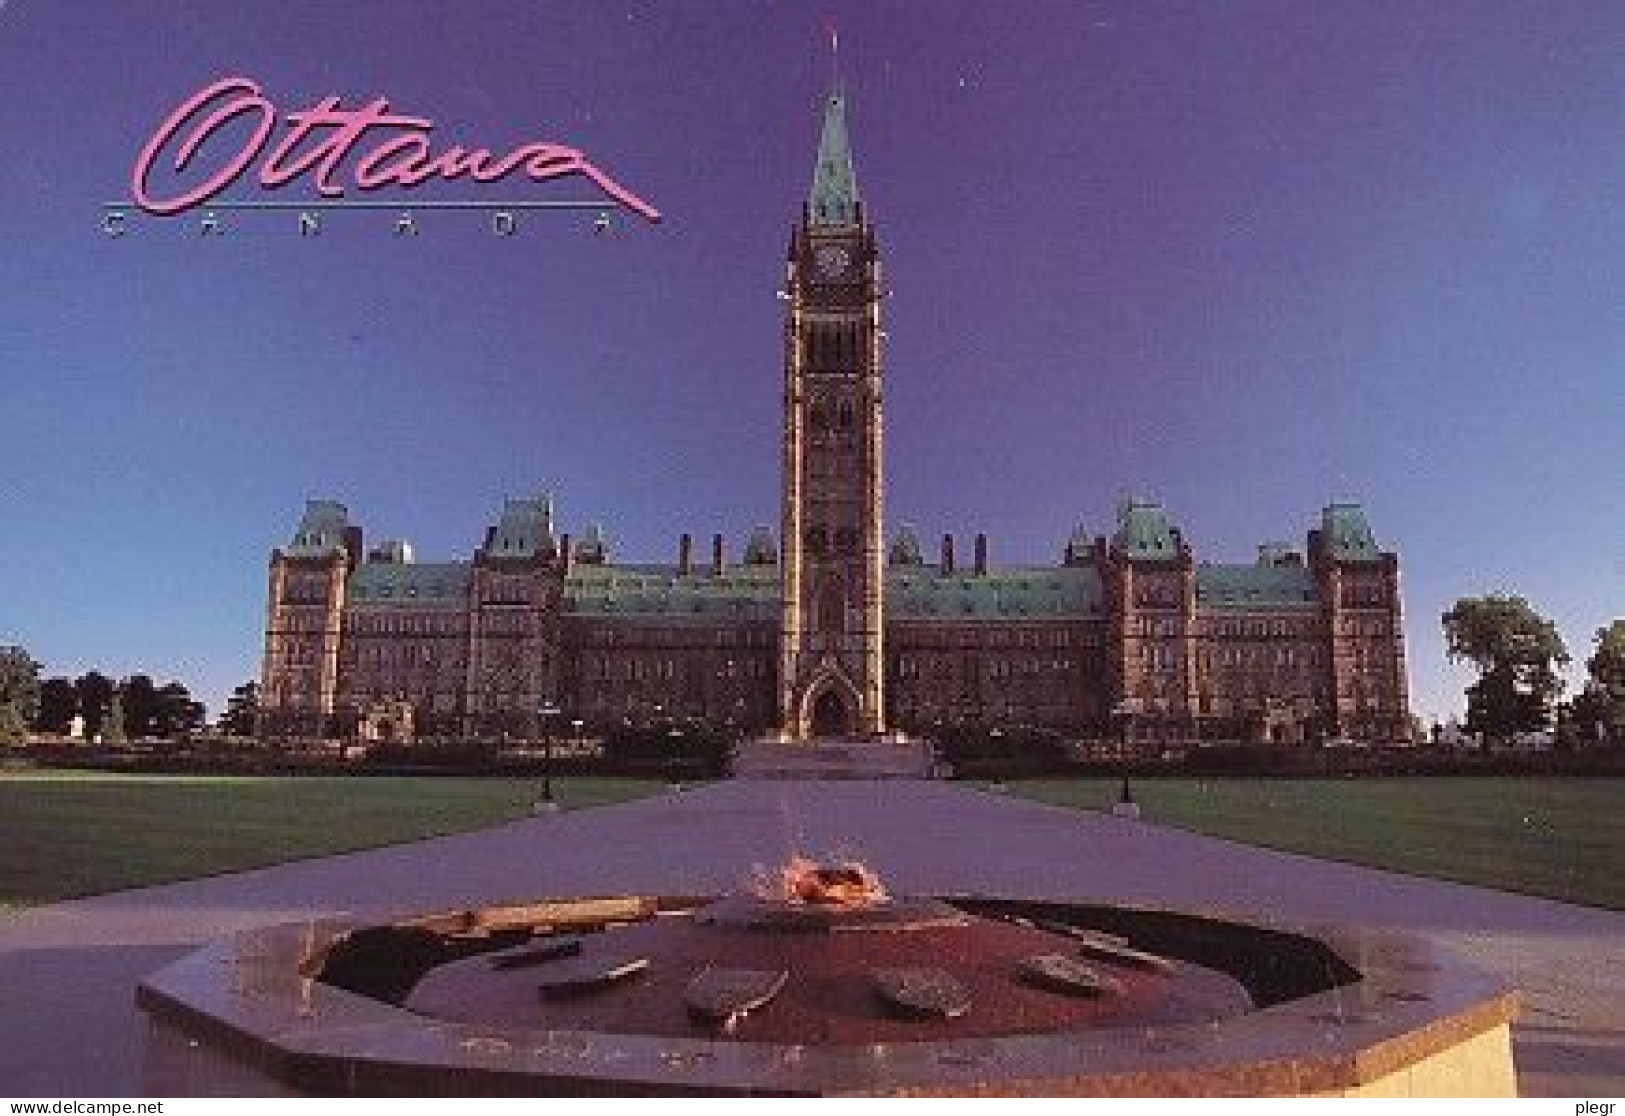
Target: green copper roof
[[833, 202], [1003, 594], [1258, 586], [407, 584], [661, 592], [1346, 533], [525, 529], [1079, 545], [592, 546], [1145, 531], [321, 530], [905, 548], [761, 550]]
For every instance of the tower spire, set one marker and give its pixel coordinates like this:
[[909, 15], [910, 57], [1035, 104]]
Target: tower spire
[[833, 201]]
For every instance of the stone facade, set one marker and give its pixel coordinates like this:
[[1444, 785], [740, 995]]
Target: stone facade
[[1127, 637]]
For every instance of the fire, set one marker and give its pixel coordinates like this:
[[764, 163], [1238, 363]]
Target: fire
[[845, 884]]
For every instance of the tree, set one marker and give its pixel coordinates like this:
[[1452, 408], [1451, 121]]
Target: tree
[[242, 708], [58, 705], [1599, 712], [177, 713], [139, 698], [1587, 720], [95, 693], [1517, 652], [19, 694]]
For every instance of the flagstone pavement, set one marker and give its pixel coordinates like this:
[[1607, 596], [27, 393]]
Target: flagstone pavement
[[68, 971]]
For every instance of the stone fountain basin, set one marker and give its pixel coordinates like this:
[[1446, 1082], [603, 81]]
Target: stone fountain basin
[[1335, 1011]]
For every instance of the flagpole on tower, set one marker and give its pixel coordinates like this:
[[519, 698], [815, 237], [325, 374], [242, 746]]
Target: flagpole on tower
[[834, 56]]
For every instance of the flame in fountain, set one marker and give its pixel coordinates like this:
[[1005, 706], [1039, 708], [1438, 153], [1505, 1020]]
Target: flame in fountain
[[844, 884]]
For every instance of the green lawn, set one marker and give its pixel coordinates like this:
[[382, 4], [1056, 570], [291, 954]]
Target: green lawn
[[70, 833], [1562, 838]]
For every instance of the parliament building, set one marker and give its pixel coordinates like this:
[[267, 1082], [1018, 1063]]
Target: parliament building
[[828, 628]]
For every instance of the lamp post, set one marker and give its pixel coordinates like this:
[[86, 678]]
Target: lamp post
[[676, 746], [1124, 711], [547, 711]]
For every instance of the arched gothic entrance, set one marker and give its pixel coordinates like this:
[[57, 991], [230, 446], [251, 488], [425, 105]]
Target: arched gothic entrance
[[831, 716], [825, 706]]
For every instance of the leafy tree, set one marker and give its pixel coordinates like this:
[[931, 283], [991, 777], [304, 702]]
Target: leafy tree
[[19, 694], [95, 692], [58, 705], [177, 713], [1499, 707], [1517, 652], [139, 699], [13, 725], [242, 707], [1602, 705], [1587, 720]]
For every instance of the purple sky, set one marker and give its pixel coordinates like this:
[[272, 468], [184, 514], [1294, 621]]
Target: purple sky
[[1242, 257]]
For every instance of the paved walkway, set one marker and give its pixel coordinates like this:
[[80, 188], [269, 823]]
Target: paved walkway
[[68, 971]]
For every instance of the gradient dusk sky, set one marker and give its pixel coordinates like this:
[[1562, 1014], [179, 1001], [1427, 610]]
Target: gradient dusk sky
[[1242, 257]]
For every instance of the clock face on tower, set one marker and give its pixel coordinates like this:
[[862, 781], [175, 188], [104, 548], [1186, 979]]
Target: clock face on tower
[[832, 260]]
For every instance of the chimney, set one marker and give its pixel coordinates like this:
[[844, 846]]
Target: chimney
[[981, 553], [948, 554], [567, 554], [685, 555], [352, 547], [718, 561]]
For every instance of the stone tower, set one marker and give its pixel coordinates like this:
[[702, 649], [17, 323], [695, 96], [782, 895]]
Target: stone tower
[[831, 666], [304, 628]]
